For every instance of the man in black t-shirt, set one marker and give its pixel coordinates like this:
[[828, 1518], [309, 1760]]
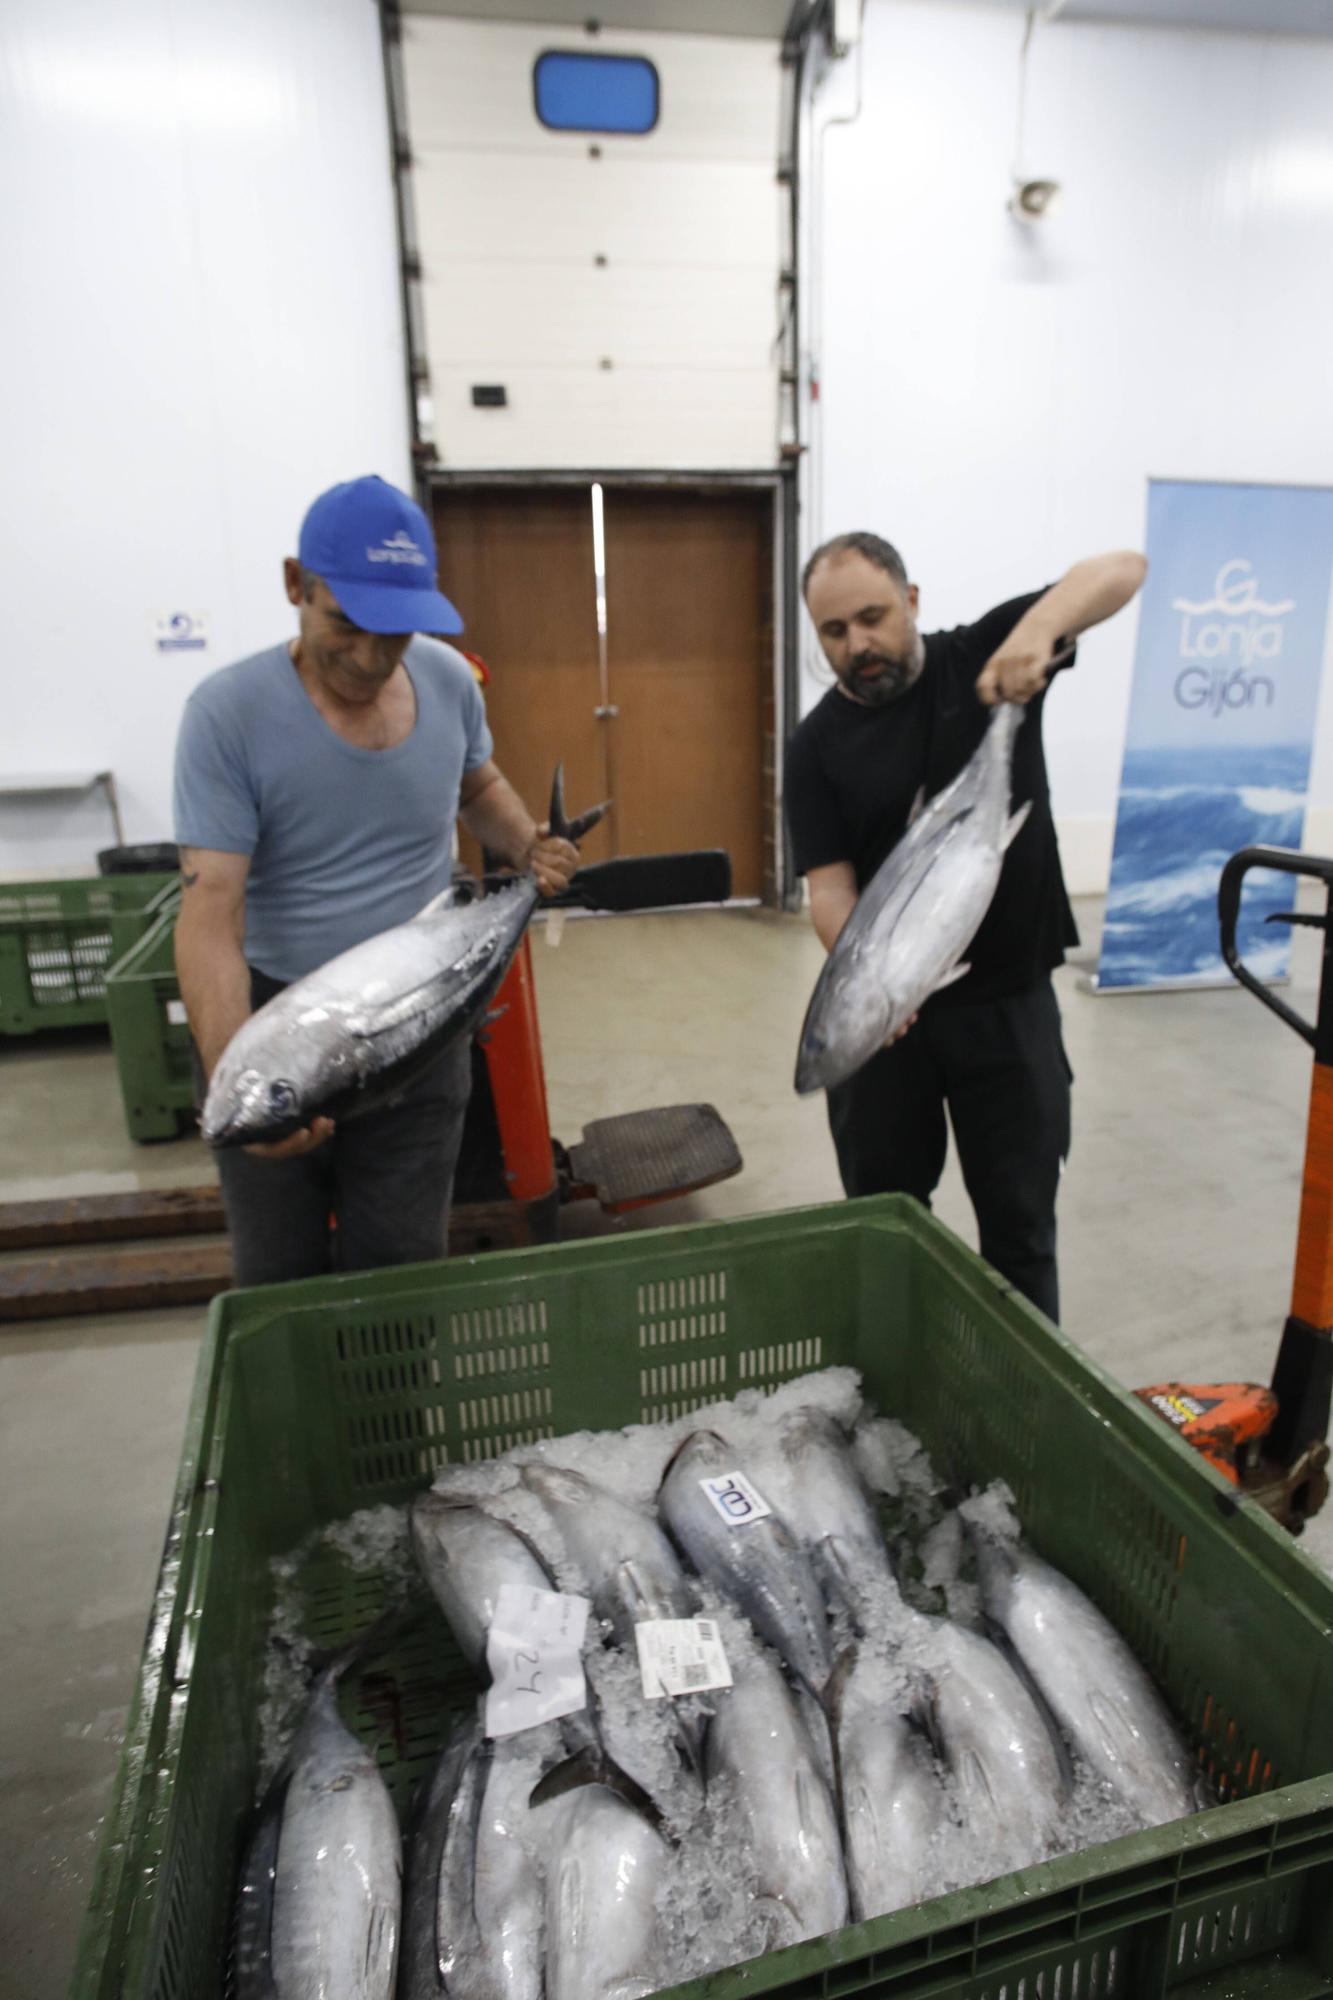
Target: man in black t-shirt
[[902, 719]]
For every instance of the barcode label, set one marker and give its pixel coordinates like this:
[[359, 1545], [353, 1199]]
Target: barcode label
[[680, 1656]]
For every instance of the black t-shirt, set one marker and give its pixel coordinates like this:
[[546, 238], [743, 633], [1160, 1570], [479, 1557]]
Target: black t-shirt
[[853, 773]]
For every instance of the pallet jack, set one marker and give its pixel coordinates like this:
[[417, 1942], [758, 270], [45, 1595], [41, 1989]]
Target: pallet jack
[[1271, 1442], [514, 1177]]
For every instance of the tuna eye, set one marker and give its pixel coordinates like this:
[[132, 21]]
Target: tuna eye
[[281, 1097]]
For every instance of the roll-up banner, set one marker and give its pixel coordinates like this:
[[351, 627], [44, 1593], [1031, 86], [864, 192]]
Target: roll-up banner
[[1233, 622]]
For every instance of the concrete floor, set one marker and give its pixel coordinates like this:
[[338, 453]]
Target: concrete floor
[[1178, 1222]]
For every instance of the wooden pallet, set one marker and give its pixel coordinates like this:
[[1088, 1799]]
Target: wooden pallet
[[91, 1274]]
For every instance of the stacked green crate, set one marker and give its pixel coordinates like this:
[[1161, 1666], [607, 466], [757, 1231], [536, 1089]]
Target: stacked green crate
[[316, 1399], [57, 940], [148, 1030]]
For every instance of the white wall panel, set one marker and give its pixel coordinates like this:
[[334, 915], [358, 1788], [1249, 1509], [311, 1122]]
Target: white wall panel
[[994, 397], [202, 331], [512, 220]]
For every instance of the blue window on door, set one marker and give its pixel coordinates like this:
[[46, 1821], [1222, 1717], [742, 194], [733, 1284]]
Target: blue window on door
[[595, 93]]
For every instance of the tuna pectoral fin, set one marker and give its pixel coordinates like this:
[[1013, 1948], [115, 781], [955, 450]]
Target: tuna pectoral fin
[[835, 1577], [1014, 825], [951, 978]]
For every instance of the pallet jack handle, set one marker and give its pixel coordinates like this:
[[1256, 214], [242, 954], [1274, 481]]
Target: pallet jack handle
[[1303, 1378], [1320, 1035]]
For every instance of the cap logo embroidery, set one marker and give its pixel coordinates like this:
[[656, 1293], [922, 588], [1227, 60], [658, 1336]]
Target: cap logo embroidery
[[399, 548]]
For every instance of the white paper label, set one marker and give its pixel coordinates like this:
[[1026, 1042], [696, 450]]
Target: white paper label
[[534, 1651], [735, 1498], [680, 1656], [176, 1013]]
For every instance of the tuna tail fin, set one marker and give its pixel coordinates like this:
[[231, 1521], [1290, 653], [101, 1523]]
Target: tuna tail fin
[[590, 1767], [571, 829], [1013, 826]]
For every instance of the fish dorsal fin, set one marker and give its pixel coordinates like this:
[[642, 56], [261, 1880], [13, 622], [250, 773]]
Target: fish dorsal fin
[[1014, 825]]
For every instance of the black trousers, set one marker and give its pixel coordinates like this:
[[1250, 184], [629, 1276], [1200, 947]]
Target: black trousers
[[1000, 1068], [384, 1179]]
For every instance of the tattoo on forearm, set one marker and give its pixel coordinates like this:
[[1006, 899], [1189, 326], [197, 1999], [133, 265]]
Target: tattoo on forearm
[[189, 876]]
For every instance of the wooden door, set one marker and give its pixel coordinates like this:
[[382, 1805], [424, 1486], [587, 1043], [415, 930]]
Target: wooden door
[[690, 650], [689, 655], [518, 564]]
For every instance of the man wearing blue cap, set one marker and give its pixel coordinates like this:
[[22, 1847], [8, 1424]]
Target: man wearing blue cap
[[317, 786]]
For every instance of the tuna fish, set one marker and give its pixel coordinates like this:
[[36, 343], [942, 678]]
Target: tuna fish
[[631, 1568], [357, 1031], [915, 917], [467, 1554], [606, 1862], [760, 1565], [1089, 1678], [321, 1892], [890, 1790], [438, 1922], [508, 1890], [474, 1917], [758, 1742], [1011, 1782], [821, 1494]]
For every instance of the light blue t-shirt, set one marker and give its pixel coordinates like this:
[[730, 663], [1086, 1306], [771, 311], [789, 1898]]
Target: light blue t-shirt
[[344, 842]]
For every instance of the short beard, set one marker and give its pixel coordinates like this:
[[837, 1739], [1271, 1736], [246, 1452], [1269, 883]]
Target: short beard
[[890, 684]]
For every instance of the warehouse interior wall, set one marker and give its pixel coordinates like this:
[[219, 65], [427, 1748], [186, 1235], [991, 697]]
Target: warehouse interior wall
[[202, 330], [993, 396], [621, 289]]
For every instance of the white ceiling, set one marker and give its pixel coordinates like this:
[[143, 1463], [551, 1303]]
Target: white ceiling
[[769, 17]]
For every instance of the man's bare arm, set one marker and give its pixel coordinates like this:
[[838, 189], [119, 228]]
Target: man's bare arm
[[1093, 590], [210, 962], [832, 900], [214, 977], [494, 814]]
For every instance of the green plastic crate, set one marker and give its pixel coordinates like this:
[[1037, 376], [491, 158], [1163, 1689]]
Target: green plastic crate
[[57, 940], [317, 1399], [149, 1035]]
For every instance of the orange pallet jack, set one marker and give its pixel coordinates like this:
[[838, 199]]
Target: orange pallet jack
[[1272, 1442], [514, 1178]]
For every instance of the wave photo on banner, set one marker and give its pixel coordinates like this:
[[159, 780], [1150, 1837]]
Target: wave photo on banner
[[1232, 630]]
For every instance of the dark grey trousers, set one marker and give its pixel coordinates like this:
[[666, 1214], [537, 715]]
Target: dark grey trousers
[[1000, 1068], [376, 1193]]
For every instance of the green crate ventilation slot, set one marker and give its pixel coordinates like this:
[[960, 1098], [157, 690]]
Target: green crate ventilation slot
[[676, 1312], [64, 966], [1091, 1975]]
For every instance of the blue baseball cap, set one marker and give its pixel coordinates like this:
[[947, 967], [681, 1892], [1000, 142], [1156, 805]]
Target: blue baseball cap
[[373, 547]]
